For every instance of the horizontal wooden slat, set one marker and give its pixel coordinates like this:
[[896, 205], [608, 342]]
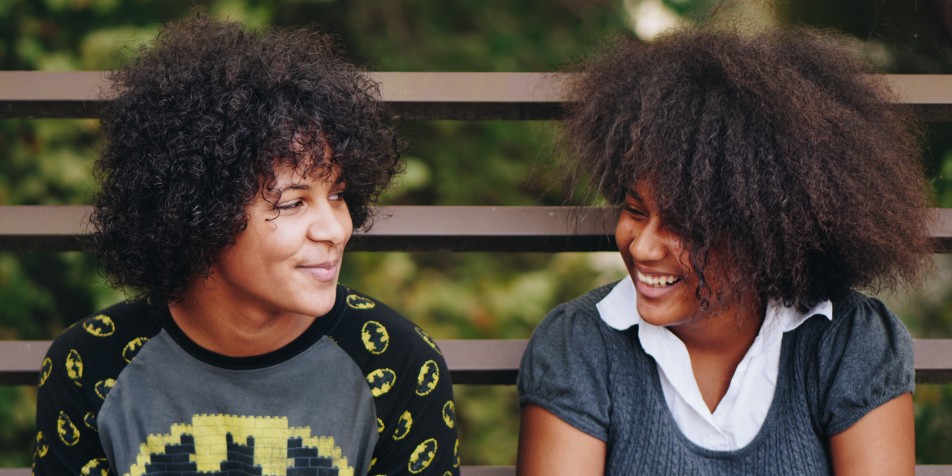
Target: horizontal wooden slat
[[425, 95], [929, 95], [401, 228], [931, 470], [405, 228], [471, 361], [933, 360], [483, 361], [414, 95]]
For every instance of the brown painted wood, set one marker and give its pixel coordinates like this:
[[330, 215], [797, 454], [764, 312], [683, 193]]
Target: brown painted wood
[[471, 361], [400, 228], [414, 95]]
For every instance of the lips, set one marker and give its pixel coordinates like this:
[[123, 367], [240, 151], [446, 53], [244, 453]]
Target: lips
[[324, 271], [655, 285]]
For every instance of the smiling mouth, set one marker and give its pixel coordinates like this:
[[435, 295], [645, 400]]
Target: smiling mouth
[[657, 280]]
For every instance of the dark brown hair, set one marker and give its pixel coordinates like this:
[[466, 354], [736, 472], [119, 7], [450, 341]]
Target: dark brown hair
[[771, 148], [201, 118]]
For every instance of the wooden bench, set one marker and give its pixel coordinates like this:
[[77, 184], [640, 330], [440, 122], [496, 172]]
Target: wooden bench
[[469, 96]]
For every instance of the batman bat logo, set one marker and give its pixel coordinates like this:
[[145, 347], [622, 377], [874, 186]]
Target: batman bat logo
[[429, 340], [403, 426], [449, 414], [422, 456], [68, 433], [100, 326], [428, 378], [381, 381], [221, 444], [96, 467], [74, 367], [103, 387], [456, 454], [46, 370], [359, 302], [131, 349], [375, 337], [89, 419], [42, 446]]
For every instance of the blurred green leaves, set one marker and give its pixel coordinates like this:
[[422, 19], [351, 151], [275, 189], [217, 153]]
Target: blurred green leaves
[[464, 295]]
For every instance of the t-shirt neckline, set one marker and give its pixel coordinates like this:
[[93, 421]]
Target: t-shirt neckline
[[321, 326]]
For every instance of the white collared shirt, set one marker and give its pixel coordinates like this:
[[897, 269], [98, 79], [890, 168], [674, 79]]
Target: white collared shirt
[[740, 414]]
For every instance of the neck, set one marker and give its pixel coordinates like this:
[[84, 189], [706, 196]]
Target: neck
[[725, 329], [716, 345], [218, 325], [721, 334]]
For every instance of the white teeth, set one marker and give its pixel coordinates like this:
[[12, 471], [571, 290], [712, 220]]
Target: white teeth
[[657, 281]]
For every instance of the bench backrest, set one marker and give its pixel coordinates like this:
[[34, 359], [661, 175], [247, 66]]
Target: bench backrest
[[469, 96]]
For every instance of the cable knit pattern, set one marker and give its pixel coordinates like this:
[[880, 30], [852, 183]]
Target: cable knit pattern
[[602, 382]]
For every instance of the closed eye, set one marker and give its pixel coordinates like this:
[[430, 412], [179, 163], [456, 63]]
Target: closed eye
[[635, 211]]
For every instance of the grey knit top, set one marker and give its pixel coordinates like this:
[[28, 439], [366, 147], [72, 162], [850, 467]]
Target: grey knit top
[[601, 381]]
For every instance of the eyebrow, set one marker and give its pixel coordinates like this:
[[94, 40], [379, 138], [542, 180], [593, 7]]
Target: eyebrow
[[633, 194], [297, 186]]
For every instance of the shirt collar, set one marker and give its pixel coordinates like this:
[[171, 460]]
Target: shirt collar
[[619, 310]]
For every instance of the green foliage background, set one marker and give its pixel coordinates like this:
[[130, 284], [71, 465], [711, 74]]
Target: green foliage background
[[463, 295]]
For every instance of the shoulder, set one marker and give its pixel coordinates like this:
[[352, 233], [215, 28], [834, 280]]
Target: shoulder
[[864, 358], [78, 372], [101, 343], [409, 380], [566, 366], [575, 321], [380, 329], [864, 322], [395, 354]]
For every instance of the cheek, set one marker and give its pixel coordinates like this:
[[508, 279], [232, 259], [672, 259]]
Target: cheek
[[346, 222], [271, 243], [624, 234]]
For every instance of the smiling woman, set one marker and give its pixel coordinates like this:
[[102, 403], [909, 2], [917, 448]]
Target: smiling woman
[[236, 166], [737, 344]]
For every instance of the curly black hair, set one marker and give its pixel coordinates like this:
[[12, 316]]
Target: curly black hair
[[198, 123], [774, 149]]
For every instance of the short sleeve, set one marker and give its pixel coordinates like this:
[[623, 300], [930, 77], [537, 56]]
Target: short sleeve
[[411, 387], [424, 435], [865, 360], [66, 439], [565, 370]]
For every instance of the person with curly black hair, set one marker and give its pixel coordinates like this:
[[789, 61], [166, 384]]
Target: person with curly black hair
[[236, 166], [761, 178]]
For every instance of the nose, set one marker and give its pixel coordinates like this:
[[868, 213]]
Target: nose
[[330, 222], [650, 243]]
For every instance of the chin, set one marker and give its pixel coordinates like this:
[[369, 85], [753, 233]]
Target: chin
[[660, 318]]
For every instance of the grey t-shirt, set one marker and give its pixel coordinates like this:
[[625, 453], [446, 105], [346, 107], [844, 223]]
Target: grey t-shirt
[[602, 382], [362, 390]]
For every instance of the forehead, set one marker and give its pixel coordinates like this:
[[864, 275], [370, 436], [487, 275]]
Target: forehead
[[287, 174], [641, 191]]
